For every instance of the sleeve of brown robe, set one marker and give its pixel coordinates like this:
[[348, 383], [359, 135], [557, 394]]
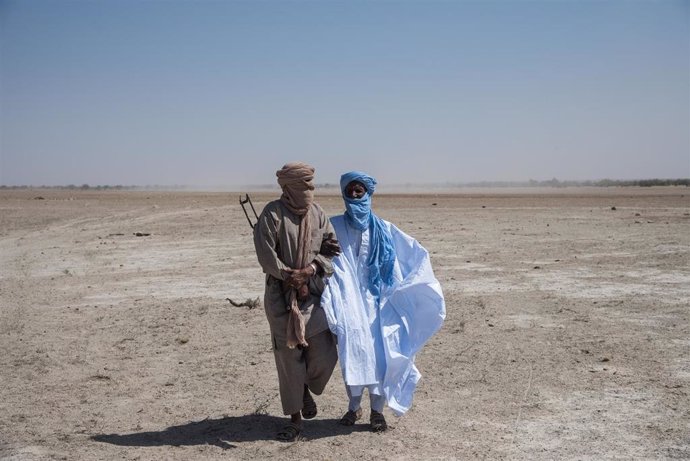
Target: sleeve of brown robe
[[265, 242]]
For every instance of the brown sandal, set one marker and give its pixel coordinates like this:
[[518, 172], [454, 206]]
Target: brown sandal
[[351, 417]]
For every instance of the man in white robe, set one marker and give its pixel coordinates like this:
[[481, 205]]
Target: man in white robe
[[382, 302]]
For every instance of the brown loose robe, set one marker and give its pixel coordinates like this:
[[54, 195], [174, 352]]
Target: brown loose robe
[[276, 239]]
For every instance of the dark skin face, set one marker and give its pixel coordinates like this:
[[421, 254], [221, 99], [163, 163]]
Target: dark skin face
[[355, 190]]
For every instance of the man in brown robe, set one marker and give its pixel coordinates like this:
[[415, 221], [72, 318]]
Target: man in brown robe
[[294, 245]]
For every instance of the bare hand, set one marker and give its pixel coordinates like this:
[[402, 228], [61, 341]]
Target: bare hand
[[298, 277], [330, 247]]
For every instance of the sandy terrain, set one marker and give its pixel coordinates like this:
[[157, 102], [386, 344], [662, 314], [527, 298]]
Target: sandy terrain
[[567, 336]]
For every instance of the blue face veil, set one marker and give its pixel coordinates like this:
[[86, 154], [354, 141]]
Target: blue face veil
[[358, 214]]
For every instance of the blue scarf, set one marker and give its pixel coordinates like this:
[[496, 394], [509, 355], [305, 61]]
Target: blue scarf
[[358, 214]]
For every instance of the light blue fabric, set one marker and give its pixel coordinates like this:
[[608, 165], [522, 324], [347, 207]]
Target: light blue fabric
[[378, 336], [358, 211], [368, 181], [359, 215], [376, 402]]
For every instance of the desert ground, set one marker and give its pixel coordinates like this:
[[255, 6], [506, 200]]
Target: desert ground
[[567, 333]]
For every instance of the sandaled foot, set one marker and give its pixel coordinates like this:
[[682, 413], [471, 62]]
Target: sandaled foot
[[378, 422], [309, 409], [290, 433], [351, 417]]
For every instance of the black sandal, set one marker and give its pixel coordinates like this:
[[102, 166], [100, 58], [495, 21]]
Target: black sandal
[[378, 422], [351, 417], [290, 433]]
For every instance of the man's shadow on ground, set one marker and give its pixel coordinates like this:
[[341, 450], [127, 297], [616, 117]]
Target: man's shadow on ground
[[223, 432]]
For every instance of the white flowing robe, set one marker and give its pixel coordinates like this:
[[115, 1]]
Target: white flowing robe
[[377, 341]]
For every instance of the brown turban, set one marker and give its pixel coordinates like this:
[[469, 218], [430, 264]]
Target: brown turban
[[298, 189]]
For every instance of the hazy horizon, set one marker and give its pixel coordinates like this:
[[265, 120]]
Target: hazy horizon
[[334, 184], [543, 184], [214, 94]]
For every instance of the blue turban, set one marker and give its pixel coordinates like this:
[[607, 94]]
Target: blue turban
[[358, 214]]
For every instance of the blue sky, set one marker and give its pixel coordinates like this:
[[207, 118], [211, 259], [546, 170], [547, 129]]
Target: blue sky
[[222, 93]]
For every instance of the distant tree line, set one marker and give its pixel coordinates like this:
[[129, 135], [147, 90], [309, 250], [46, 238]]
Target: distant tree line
[[587, 183], [103, 187], [612, 183]]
